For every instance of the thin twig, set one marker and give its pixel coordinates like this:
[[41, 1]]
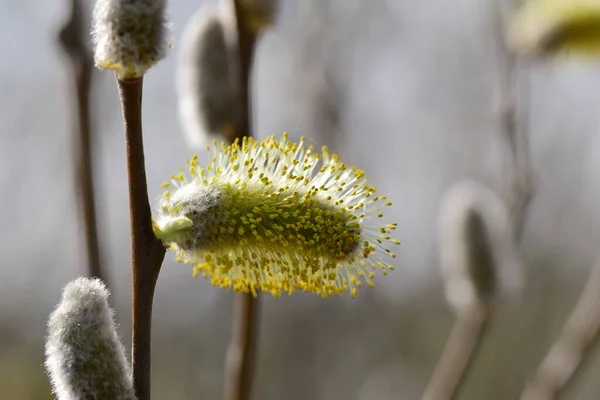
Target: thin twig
[[245, 39], [240, 359], [73, 40], [241, 352], [568, 352], [511, 112], [146, 250], [458, 353]]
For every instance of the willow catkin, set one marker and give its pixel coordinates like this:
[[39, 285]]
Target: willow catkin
[[129, 36], [84, 356], [208, 94], [478, 254], [276, 216]]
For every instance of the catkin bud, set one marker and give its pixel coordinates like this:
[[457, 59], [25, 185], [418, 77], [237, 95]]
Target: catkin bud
[[556, 27], [277, 217], [129, 36], [84, 356], [208, 95], [478, 255]]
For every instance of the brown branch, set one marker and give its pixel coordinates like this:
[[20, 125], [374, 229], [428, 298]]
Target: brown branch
[[240, 359], [568, 352], [514, 134], [241, 352], [147, 251], [73, 40], [245, 41], [457, 354]]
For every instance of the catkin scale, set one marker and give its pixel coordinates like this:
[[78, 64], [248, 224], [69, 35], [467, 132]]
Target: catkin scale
[[208, 95], [276, 216]]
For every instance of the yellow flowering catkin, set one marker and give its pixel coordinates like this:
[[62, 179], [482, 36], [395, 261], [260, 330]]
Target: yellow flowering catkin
[[276, 216]]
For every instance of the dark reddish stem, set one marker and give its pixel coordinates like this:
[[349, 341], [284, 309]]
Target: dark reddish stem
[[147, 252]]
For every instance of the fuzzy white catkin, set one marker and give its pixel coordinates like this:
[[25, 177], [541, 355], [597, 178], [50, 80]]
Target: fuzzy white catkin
[[478, 255], [208, 94], [129, 36], [84, 356]]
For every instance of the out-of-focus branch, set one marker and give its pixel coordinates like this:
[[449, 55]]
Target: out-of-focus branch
[[458, 353], [241, 352], [511, 111], [239, 364], [73, 39], [245, 41], [568, 352]]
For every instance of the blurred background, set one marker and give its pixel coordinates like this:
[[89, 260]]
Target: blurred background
[[406, 91]]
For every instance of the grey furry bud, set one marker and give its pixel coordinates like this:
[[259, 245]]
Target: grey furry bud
[[84, 356], [478, 255], [130, 36], [207, 91]]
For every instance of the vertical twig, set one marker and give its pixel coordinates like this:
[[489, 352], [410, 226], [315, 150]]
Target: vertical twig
[[568, 352], [239, 363], [72, 38], [241, 352], [146, 250], [245, 43], [514, 134]]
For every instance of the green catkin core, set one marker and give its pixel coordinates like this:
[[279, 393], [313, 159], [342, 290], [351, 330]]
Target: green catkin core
[[249, 218]]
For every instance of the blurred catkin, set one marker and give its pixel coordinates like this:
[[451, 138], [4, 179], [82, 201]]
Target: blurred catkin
[[129, 36], [207, 91], [478, 261], [557, 27], [478, 254], [84, 356], [259, 14]]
